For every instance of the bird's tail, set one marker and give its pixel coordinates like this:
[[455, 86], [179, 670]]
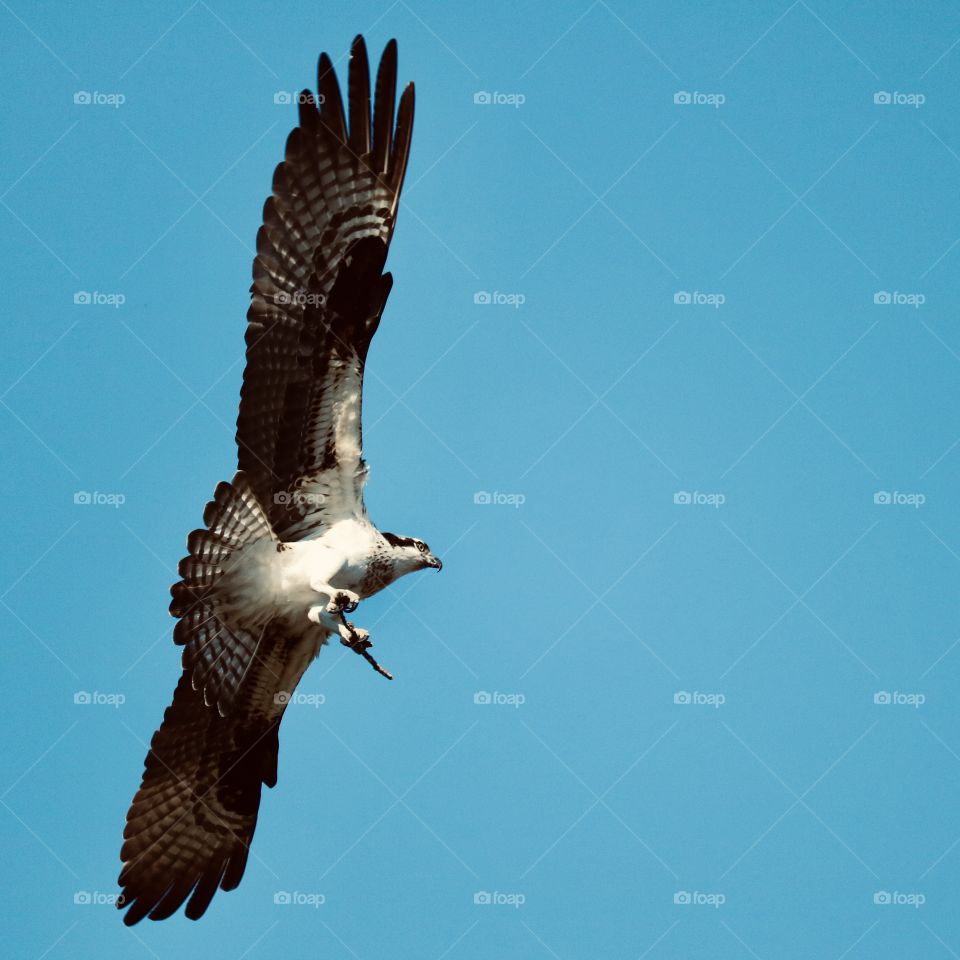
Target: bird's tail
[[218, 647], [233, 518], [190, 825]]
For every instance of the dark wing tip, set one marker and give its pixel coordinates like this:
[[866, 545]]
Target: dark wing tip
[[367, 124], [331, 103], [307, 108], [384, 100], [401, 140], [358, 84], [205, 889]]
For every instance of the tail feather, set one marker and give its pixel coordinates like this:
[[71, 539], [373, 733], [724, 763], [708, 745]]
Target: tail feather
[[218, 650]]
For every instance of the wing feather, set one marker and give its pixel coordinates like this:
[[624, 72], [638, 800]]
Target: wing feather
[[331, 104], [359, 85], [191, 823], [386, 94], [317, 295]]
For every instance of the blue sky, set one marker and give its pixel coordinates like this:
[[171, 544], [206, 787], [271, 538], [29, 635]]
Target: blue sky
[[711, 402]]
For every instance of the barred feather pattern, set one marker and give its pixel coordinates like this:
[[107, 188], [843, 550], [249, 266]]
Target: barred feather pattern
[[190, 825], [317, 296], [334, 188], [218, 650]]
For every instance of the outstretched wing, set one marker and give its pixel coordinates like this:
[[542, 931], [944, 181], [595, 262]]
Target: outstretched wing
[[191, 822], [190, 825], [317, 296]]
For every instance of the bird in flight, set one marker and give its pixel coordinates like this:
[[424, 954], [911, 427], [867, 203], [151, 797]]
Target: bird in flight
[[287, 549]]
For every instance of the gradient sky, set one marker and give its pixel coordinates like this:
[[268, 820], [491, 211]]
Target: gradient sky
[[684, 694]]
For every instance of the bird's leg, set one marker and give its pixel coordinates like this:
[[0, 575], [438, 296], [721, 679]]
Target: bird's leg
[[331, 615], [338, 600], [358, 641], [331, 603]]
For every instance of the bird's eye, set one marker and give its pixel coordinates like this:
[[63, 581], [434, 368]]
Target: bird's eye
[[421, 546]]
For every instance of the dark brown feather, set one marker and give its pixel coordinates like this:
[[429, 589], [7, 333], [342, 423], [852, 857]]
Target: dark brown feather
[[359, 84], [335, 188], [385, 98]]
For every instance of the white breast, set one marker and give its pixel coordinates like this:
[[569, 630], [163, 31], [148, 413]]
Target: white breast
[[274, 580]]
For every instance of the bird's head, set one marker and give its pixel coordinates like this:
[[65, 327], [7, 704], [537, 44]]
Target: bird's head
[[411, 554]]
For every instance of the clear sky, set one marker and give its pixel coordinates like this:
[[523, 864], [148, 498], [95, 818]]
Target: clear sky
[[719, 271]]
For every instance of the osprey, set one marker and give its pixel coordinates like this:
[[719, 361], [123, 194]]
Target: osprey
[[287, 549]]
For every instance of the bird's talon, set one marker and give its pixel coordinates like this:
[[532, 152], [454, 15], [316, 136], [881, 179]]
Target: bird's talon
[[344, 601]]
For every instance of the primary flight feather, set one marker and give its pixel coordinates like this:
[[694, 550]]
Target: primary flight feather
[[287, 548]]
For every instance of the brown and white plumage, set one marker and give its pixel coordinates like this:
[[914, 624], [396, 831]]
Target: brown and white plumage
[[287, 542], [334, 199]]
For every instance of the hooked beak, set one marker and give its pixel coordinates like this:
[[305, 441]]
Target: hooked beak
[[433, 561]]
